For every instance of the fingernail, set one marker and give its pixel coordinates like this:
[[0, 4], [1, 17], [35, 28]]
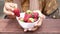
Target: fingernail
[[25, 30], [12, 13], [12, 9], [35, 24], [30, 29]]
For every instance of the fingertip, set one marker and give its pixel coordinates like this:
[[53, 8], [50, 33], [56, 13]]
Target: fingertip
[[35, 24], [29, 29], [12, 9], [12, 13], [25, 30]]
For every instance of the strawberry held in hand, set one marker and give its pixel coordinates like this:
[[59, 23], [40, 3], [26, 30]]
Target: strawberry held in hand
[[16, 12]]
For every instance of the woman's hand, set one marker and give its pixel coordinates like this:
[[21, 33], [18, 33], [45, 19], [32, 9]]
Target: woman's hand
[[8, 9]]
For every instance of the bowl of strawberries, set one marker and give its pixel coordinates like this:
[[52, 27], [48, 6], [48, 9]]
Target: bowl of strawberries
[[28, 19]]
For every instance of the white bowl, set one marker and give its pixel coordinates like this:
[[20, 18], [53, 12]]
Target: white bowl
[[25, 25]]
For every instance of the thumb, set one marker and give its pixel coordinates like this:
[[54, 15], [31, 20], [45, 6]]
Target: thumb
[[9, 13], [39, 23]]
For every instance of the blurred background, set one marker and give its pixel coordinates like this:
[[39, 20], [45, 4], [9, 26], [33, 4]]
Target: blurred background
[[1, 8], [2, 5]]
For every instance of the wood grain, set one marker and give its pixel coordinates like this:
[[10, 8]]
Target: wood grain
[[49, 26]]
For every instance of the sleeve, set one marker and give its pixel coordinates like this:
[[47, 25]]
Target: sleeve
[[49, 6]]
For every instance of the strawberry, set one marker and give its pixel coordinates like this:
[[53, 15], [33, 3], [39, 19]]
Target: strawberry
[[35, 14], [27, 16], [16, 12]]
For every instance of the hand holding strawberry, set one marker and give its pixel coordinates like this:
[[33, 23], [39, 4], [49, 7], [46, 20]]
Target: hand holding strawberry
[[16, 12]]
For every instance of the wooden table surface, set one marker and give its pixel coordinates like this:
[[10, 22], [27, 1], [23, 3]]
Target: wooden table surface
[[49, 26]]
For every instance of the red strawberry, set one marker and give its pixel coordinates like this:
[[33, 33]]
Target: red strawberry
[[16, 12], [35, 14], [26, 17]]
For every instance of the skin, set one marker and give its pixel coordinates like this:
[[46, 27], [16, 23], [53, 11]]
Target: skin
[[9, 7]]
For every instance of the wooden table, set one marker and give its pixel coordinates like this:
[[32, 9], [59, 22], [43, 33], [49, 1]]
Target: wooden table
[[49, 26]]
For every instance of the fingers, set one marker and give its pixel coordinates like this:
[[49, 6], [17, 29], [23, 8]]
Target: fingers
[[43, 16], [25, 30], [39, 23], [33, 29], [10, 6], [13, 5], [8, 9], [8, 12], [36, 26]]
